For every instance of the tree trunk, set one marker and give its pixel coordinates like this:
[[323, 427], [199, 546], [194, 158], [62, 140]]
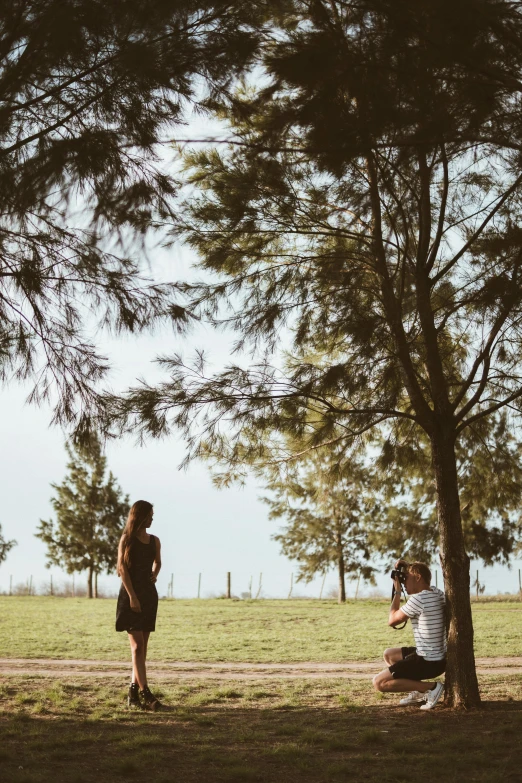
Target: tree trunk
[[89, 581], [96, 584], [461, 678], [340, 565]]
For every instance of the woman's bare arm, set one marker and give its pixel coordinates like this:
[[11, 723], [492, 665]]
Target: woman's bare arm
[[156, 566], [127, 583]]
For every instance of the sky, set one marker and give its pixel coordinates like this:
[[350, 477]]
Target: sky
[[203, 530]]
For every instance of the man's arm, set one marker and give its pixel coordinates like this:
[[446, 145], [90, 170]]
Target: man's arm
[[396, 616]]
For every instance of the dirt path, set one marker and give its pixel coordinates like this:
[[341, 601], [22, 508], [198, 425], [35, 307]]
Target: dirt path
[[183, 670]]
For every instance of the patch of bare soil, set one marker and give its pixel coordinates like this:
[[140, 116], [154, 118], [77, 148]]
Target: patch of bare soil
[[187, 670]]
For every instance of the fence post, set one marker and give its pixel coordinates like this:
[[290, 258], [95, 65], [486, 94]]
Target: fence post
[[51, 586], [199, 585], [436, 578], [250, 587], [11, 584], [31, 585], [478, 587], [73, 586], [322, 586], [291, 584], [357, 587], [260, 583], [229, 585]]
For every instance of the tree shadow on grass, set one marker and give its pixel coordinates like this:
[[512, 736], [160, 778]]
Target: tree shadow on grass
[[312, 734]]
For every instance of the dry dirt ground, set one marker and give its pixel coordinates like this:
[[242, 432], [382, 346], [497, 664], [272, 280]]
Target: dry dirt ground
[[186, 670]]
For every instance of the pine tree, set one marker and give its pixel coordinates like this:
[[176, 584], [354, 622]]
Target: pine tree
[[489, 466], [91, 92], [368, 202], [90, 515], [5, 546], [327, 509]]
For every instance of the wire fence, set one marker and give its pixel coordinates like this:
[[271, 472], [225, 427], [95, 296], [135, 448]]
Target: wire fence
[[241, 586]]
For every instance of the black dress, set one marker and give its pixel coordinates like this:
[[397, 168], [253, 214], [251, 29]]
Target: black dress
[[141, 559]]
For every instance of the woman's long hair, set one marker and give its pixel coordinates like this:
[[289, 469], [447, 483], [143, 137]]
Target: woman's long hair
[[138, 515]]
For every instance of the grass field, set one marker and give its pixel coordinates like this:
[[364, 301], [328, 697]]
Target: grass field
[[221, 630], [273, 732], [78, 730]]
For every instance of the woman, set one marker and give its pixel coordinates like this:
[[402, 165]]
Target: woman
[[139, 563]]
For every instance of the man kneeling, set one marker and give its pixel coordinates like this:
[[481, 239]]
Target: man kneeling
[[409, 666]]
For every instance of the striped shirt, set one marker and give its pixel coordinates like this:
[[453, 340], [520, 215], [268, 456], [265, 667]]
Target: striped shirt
[[426, 611]]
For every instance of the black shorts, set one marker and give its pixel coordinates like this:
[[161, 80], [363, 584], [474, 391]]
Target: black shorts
[[415, 667]]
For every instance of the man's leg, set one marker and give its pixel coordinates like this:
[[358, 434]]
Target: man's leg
[[392, 655], [386, 683]]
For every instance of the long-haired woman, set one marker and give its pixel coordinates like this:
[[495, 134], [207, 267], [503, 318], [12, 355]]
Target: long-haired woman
[[139, 563]]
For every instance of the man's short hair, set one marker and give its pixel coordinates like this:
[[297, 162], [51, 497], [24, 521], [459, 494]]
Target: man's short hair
[[422, 570]]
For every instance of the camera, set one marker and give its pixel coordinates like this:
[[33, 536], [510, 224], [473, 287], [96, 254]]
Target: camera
[[400, 573]]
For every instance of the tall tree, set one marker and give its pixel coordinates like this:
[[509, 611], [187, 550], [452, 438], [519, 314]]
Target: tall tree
[[489, 466], [89, 92], [368, 201], [327, 507], [90, 516], [5, 546]]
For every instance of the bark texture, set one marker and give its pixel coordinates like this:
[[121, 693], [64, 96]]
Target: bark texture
[[461, 679]]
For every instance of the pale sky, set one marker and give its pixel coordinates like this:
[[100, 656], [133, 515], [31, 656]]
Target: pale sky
[[202, 529]]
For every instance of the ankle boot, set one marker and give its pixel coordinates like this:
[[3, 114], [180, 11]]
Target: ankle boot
[[133, 699], [150, 702]]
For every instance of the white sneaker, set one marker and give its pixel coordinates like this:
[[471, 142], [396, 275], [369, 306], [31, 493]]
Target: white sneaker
[[413, 697], [433, 696]]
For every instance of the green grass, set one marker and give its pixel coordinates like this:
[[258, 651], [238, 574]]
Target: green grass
[[220, 630], [82, 733]]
